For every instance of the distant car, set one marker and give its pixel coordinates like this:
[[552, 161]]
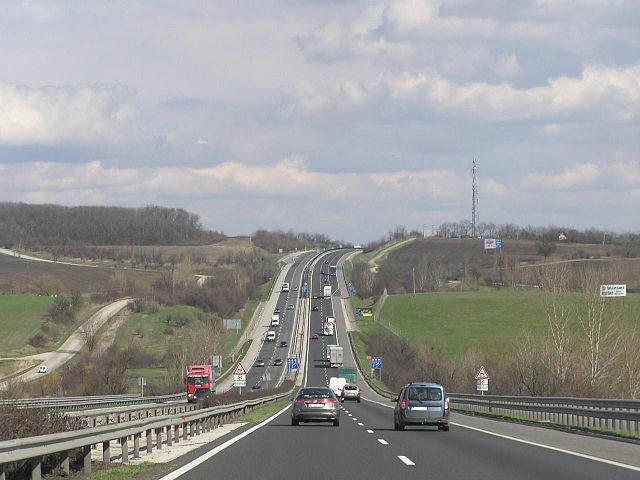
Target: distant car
[[326, 280], [259, 363], [295, 289], [326, 261], [256, 387], [351, 392], [315, 404], [43, 369], [284, 343], [290, 307], [277, 362], [314, 308], [421, 404], [315, 336], [276, 311], [316, 296]]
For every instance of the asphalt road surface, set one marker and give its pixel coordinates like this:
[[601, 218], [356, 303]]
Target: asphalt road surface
[[366, 446]]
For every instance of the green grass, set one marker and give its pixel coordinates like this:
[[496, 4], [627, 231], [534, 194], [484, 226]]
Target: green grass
[[262, 413], [21, 317], [459, 320], [146, 330], [124, 472]]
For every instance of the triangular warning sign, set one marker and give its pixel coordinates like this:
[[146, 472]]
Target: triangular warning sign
[[482, 373], [240, 370]]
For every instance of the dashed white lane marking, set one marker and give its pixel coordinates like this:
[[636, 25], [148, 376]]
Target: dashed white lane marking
[[360, 424], [405, 460], [369, 431], [383, 441], [354, 419], [350, 415]]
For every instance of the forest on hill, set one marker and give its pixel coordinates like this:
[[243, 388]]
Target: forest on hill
[[28, 226]]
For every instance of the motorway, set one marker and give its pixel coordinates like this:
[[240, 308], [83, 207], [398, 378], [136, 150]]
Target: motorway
[[366, 446]]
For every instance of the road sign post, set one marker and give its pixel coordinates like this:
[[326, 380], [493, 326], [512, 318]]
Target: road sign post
[[482, 380], [240, 377], [142, 382]]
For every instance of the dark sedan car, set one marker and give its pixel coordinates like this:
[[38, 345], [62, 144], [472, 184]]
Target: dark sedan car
[[315, 404]]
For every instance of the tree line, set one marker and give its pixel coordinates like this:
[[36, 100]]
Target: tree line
[[289, 241], [28, 226]]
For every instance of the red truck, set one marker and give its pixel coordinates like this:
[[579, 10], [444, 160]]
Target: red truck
[[200, 382]]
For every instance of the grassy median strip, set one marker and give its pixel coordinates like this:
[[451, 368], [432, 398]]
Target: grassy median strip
[[260, 414]]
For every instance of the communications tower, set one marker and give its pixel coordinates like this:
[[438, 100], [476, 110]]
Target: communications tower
[[475, 211]]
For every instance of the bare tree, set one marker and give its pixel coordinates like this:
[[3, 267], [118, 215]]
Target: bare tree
[[629, 371], [599, 318], [554, 280], [89, 333]]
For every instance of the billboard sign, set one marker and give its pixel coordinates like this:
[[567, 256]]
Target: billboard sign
[[613, 290], [490, 244]]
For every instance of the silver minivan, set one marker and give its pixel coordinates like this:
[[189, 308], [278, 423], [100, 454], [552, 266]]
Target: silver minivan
[[421, 403]]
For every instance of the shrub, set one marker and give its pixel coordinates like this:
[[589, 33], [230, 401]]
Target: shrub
[[38, 341]]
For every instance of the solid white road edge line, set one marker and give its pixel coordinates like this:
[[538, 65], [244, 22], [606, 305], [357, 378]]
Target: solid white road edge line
[[405, 460], [541, 445], [548, 447], [194, 463]]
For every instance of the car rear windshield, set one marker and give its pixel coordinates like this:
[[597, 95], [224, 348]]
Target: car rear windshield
[[423, 394], [350, 387], [315, 394]]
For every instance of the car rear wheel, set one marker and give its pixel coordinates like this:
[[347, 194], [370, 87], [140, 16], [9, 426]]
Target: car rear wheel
[[445, 428], [294, 422], [336, 422], [358, 399]]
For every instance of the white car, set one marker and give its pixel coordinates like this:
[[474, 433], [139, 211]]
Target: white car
[[351, 392], [43, 369]]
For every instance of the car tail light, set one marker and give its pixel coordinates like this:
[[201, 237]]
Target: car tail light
[[446, 403], [331, 401], [403, 405], [300, 401]]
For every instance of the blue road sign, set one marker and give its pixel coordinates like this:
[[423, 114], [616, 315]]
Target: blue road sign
[[498, 243], [376, 362], [292, 363]]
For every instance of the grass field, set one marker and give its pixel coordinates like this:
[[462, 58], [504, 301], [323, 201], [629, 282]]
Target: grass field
[[21, 317], [459, 320]]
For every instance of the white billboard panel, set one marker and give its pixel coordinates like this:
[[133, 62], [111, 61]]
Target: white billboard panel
[[489, 243], [613, 290]]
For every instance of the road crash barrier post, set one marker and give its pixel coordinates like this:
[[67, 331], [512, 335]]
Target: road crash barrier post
[[34, 449]]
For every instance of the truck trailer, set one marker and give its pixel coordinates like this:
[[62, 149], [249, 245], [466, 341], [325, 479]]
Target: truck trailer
[[335, 356]]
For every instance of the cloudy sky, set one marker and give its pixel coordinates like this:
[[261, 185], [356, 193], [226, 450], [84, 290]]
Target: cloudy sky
[[333, 116]]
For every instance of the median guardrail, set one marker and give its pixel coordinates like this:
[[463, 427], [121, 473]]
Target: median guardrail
[[158, 432], [99, 401]]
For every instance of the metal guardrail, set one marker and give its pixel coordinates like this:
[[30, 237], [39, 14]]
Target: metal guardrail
[[158, 432], [78, 403], [613, 415]]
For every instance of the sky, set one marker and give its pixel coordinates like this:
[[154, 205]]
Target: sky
[[340, 117]]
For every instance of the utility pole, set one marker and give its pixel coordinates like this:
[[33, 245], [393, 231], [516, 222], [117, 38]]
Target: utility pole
[[414, 281]]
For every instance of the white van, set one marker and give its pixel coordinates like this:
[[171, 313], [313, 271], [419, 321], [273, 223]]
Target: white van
[[275, 320], [337, 384], [43, 369], [271, 336], [285, 287]]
